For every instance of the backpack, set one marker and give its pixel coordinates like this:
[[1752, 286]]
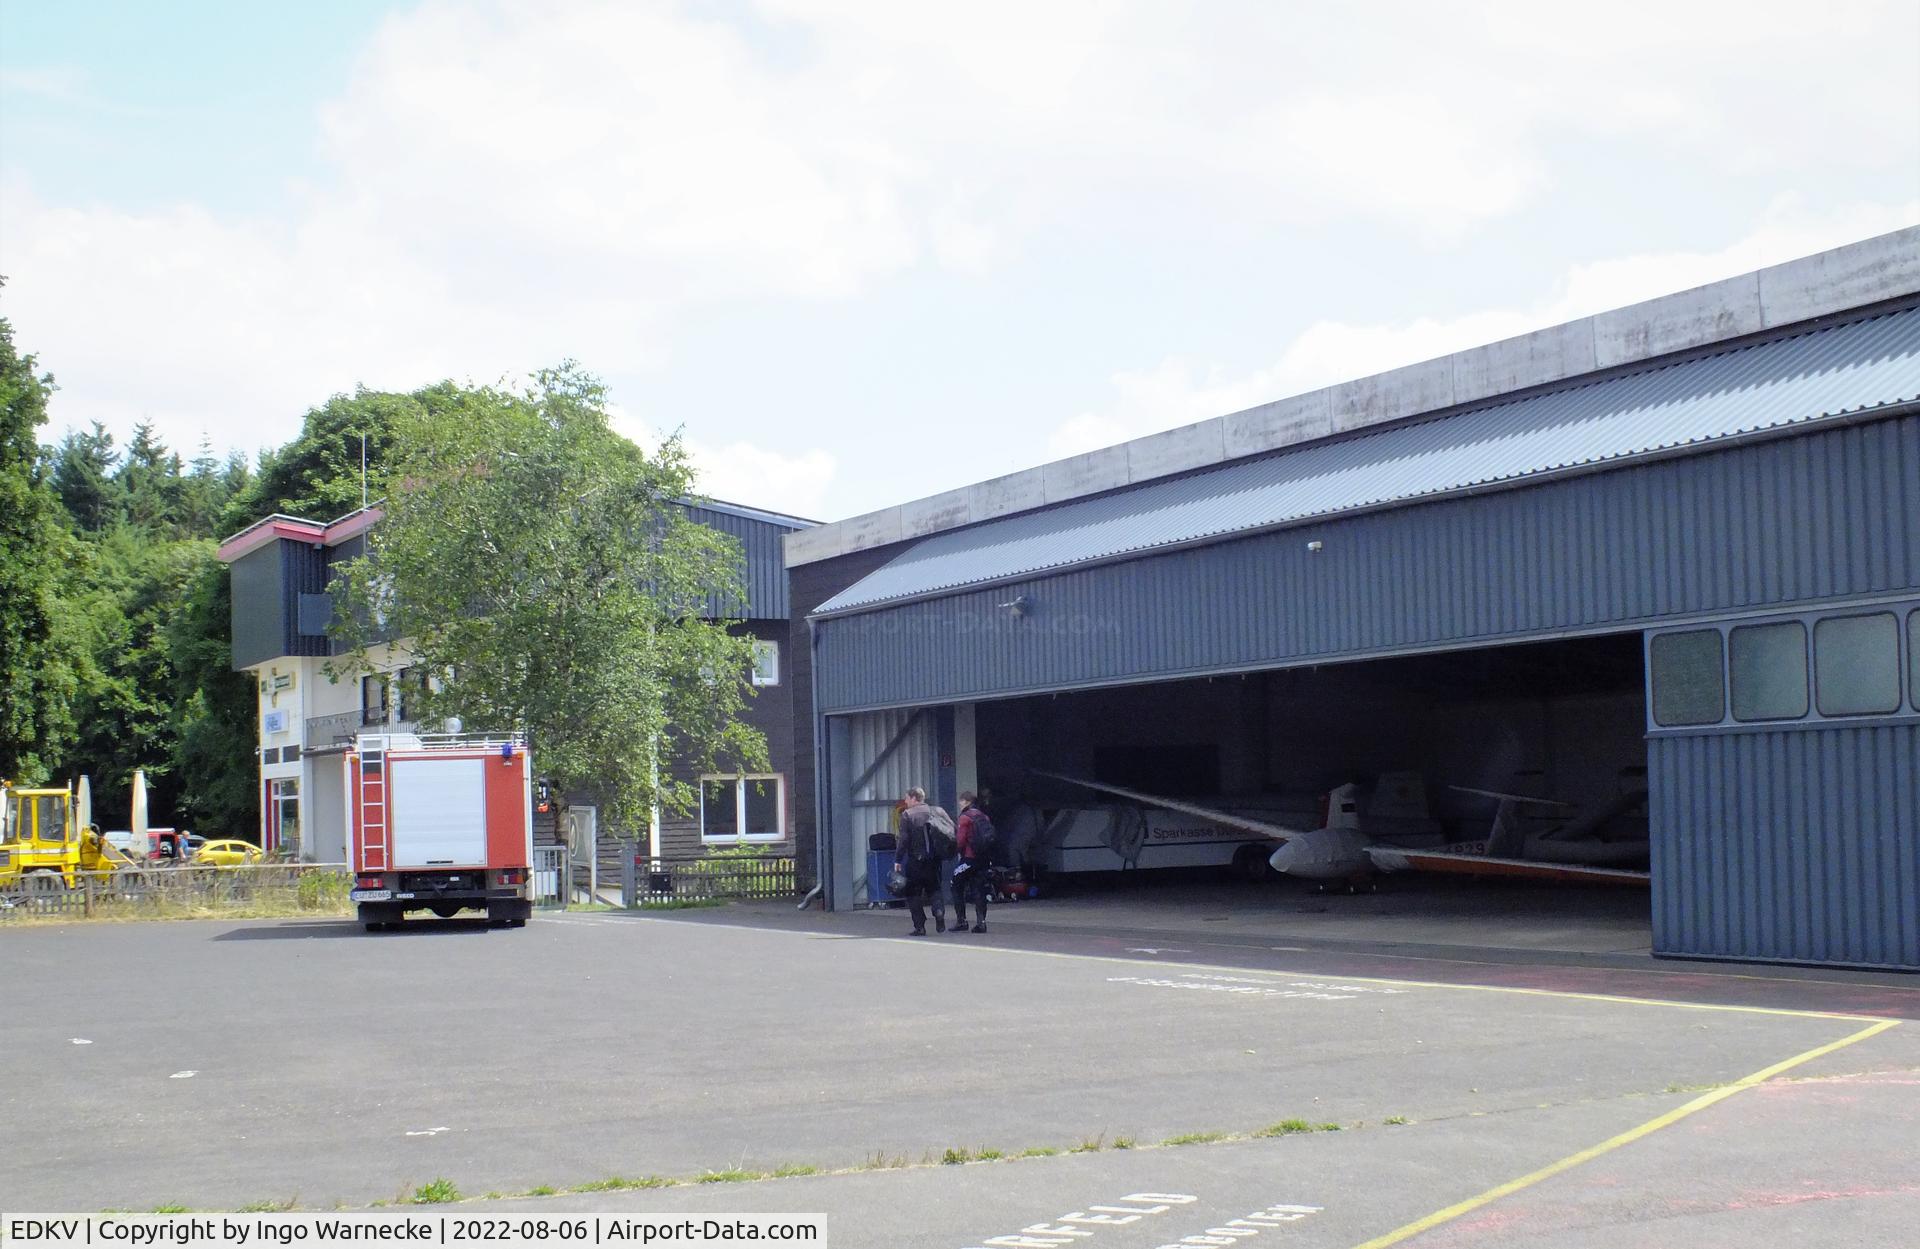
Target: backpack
[[940, 840], [984, 838]]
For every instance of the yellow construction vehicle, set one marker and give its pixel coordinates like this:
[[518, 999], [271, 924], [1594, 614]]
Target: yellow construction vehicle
[[43, 846]]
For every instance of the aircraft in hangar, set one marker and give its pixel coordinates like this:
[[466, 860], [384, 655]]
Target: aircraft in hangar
[[1340, 850]]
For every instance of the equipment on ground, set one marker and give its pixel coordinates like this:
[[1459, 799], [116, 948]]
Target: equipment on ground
[[1341, 849], [44, 845], [440, 823], [1151, 831]]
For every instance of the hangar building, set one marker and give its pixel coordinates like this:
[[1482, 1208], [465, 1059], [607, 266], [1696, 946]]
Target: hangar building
[[1672, 549]]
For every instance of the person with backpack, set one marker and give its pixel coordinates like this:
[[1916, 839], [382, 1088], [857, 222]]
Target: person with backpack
[[978, 841], [926, 840]]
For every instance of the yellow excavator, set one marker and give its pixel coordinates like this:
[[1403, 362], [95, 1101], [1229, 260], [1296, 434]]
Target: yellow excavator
[[42, 843]]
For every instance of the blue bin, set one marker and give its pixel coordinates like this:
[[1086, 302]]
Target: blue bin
[[879, 867]]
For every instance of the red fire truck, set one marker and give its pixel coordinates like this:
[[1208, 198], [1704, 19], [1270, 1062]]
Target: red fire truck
[[442, 824]]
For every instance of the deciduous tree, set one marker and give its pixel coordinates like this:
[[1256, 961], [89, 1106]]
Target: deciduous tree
[[542, 566]]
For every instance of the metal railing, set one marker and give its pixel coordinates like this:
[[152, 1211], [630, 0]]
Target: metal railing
[[266, 888], [551, 886], [662, 880]]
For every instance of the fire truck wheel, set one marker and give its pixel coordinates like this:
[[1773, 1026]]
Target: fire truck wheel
[[446, 910]]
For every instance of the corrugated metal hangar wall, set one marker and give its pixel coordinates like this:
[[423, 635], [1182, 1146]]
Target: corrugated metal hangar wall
[[1785, 819]]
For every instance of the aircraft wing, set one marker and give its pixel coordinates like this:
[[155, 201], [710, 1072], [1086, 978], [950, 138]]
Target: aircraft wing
[[1226, 819], [1395, 859]]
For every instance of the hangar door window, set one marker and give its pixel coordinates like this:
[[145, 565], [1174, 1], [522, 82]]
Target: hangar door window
[[1769, 671], [1913, 659], [1856, 661], [1689, 679]]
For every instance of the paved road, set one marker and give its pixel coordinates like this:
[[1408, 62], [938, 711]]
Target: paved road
[[335, 1067]]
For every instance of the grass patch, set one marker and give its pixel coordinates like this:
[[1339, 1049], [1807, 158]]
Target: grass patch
[[732, 1175], [543, 1190], [1122, 1142], [622, 1183], [438, 1193], [678, 904], [880, 1161], [1395, 1121], [171, 1208], [955, 1157], [788, 1170], [1038, 1151], [988, 1155], [1328, 1127], [1091, 1145], [1287, 1127], [1692, 1088], [1195, 1138], [268, 1207]]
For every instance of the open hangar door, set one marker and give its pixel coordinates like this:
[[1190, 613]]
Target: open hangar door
[[1399, 743]]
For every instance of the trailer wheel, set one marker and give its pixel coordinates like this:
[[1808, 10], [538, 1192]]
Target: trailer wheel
[[1250, 863]]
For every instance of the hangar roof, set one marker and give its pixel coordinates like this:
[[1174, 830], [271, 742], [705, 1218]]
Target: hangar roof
[[1837, 370]]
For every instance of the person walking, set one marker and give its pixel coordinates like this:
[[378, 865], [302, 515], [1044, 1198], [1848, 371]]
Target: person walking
[[973, 878], [917, 855]]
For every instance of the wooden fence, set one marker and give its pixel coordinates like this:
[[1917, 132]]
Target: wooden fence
[[712, 879], [135, 892]]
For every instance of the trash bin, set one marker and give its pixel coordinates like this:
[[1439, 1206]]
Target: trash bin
[[879, 867]]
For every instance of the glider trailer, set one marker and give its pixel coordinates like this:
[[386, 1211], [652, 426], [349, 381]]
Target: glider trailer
[[440, 823]]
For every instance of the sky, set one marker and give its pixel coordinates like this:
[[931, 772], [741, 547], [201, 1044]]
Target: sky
[[858, 252]]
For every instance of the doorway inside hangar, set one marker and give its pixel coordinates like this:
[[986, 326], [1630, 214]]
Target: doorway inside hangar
[[1398, 744]]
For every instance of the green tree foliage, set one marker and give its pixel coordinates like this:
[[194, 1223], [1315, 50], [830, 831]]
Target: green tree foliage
[[37, 660], [540, 564], [317, 475], [84, 479]]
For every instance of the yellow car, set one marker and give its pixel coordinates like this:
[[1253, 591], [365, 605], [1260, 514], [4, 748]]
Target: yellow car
[[226, 853]]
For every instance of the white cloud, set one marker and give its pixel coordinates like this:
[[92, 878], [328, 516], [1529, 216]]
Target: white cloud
[[1179, 391], [506, 183], [799, 483]]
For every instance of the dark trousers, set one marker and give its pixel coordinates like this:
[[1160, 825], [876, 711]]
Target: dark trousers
[[923, 888], [975, 884]]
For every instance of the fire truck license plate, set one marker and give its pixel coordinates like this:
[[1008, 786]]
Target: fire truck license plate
[[371, 895]]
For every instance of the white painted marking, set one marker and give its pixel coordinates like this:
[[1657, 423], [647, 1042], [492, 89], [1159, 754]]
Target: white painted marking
[[1244, 990], [428, 1132], [183, 1075], [1150, 949], [80, 1040]]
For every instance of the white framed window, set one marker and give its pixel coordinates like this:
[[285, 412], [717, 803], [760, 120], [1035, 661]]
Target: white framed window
[[743, 808], [766, 662]]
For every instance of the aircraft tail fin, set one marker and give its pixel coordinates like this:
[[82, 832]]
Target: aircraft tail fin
[[1343, 806], [1506, 839]]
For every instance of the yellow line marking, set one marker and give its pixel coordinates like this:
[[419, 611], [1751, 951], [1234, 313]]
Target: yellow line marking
[[929, 944], [1631, 1135]]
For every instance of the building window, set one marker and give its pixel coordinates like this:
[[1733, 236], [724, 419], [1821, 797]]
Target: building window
[[1768, 671], [1689, 682], [743, 808], [766, 662], [1856, 664], [408, 685], [373, 698]]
